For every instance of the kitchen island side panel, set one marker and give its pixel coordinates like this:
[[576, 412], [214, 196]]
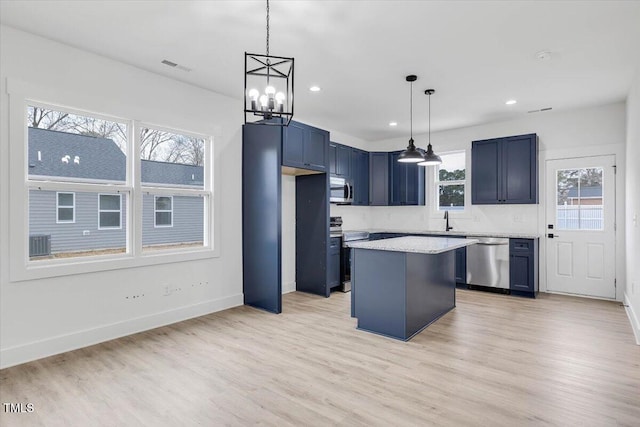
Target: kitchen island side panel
[[431, 289], [379, 291]]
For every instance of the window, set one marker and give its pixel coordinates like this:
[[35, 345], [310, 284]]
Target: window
[[66, 208], [579, 199], [77, 165], [85, 188], [174, 205], [109, 211], [450, 182], [164, 211]]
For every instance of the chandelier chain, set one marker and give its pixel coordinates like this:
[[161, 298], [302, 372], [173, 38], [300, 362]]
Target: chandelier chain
[[267, 27]]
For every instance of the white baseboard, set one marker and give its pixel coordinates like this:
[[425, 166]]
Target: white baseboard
[[60, 344], [633, 318], [288, 287]]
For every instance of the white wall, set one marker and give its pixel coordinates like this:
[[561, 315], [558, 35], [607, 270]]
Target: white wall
[[562, 134], [632, 293], [51, 315]]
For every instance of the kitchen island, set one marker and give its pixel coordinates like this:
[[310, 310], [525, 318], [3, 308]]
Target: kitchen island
[[400, 286]]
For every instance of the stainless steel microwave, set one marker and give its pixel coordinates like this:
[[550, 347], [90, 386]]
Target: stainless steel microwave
[[340, 191]]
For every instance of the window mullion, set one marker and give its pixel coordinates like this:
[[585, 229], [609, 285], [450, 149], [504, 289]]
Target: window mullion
[[135, 234]]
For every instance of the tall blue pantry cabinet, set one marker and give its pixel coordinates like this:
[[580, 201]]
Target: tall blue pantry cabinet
[[267, 153]]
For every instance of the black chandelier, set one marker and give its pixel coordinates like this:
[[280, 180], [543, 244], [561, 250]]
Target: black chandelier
[[274, 74]]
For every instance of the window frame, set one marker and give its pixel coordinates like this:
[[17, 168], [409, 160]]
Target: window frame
[[100, 210], [434, 187], [72, 207], [464, 182], [156, 210], [23, 94], [171, 190]]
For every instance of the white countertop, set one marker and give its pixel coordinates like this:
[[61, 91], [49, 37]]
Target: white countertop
[[459, 233], [414, 244]]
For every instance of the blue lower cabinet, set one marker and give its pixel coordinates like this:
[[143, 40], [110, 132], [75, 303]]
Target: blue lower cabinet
[[333, 276], [523, 267], [461, 267]]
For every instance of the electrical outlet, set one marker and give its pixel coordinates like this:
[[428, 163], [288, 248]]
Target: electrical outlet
[[517, 218]]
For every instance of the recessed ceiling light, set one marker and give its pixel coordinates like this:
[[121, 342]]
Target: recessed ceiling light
[[314, 88], [511, 102], [393, 123]]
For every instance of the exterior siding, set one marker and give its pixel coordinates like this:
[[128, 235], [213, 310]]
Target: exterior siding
[[68, 237], [188, 221]]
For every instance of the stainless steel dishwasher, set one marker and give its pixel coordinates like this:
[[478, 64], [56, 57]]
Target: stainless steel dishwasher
[[488, 262]]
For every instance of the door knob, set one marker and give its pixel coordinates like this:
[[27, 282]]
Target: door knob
[[551, 235]]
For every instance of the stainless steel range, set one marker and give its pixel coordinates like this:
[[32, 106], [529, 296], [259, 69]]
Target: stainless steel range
[[345, 256], [335, 224]]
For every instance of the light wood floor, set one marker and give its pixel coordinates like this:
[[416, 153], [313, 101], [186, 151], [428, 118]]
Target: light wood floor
[[493, 361]]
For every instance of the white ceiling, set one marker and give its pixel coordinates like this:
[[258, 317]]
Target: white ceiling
[[475, 54]]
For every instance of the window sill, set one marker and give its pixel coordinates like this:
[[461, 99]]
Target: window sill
[[56, 268]]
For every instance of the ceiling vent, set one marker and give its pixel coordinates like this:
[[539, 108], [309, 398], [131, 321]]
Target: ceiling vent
[[174, 65], [540, 110]]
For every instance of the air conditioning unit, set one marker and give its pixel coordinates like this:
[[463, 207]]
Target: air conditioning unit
[[39, 245]]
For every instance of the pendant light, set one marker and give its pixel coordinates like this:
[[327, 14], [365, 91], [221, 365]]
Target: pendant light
[[430, 158], [275, 75], [411, 154]]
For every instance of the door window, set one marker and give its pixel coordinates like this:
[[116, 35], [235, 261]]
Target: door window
[[580, 198]]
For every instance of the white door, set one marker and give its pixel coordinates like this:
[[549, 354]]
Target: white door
[[581, 226]]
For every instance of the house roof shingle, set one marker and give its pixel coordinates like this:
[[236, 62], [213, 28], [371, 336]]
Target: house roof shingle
[[94, 158]]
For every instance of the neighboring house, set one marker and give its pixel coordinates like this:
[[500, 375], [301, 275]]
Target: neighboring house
[[591, 195], [85, 221]]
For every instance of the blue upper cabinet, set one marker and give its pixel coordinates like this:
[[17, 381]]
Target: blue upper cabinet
[[340, 160], [360, 176], [505, 170], [379, 179], [305, 147], [406, 182]]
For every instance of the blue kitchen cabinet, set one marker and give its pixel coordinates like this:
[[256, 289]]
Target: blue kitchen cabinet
[[343, 161], [333, 276], [523, 267], [360, 177], [305, 147], [461, 267], [261, 216], [262, 169], [333, 158], [340, 160], [505, 170], [379, 179], [406, 182]]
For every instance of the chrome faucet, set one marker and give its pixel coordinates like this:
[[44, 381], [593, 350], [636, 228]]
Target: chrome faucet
[[446, 217]]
